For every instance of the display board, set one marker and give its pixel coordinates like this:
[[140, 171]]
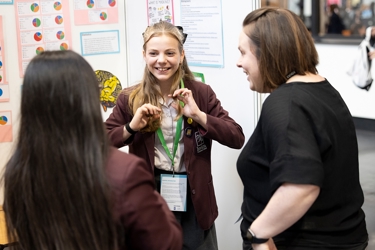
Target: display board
[[30, 26]]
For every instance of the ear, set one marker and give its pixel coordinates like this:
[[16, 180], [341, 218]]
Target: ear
[[182, 56]]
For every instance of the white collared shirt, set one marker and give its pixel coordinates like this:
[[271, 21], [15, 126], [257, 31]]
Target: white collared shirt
[[168, 127]]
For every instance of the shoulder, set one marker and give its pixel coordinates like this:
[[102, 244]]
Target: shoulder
[[202, 92], [298, 93], [279, 105], [278, 99], [300, 99], [118, 157], [196, 85], [123, 97], [128, 90], [121, 165]]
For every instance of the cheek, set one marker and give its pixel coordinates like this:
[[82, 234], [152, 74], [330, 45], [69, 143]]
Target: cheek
[[254, 68], [150, 60]]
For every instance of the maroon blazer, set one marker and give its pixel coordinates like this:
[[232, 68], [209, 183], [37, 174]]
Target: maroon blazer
[[146, 218], [197, 155]]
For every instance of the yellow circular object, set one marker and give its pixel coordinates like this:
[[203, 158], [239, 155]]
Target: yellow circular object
[[110, 88]]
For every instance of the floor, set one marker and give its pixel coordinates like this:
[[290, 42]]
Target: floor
[[366, 144]]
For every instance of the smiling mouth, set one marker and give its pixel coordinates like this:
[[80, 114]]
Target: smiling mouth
[[162, 69]]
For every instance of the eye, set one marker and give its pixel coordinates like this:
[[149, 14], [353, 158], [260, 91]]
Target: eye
[[152, 53], [170, 53]]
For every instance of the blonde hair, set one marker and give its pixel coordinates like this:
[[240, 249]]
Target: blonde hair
[[148, 90]]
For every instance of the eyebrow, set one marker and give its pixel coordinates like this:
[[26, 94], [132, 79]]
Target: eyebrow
[[168, 49]]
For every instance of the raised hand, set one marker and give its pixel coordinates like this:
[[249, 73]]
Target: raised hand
[[143, 115]]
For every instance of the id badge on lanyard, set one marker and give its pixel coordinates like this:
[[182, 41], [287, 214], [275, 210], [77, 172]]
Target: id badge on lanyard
[[173, 190], [173, 187]]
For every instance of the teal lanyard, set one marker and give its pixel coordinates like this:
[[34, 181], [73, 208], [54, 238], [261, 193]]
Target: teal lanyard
[[176, 139]]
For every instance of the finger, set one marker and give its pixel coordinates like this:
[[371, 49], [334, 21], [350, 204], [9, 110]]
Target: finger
[[149, 109], [178, 92], [186, 93], [179, 100], [156, 116]]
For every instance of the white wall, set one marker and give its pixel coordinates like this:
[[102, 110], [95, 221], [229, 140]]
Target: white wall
[[334, 60]]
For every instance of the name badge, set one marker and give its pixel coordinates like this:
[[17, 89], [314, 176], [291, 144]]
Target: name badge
[[173, 190]]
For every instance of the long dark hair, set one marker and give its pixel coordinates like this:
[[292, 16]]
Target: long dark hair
[[56, 192]]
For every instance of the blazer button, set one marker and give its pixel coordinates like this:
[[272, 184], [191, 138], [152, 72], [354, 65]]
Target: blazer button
[[193, 191]]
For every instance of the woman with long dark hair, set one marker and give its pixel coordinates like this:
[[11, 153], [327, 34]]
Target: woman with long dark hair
[[65, 187]]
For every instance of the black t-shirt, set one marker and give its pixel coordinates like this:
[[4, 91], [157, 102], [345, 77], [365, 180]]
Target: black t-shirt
[[306, 135]]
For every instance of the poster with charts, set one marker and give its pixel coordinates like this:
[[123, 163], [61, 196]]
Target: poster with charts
[[6, 127], [95, 11], [4, 92], [6, 2], [41, 25], [160, 10], [2, 55]]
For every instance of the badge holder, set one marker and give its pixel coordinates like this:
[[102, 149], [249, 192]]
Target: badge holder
[[173, 190]]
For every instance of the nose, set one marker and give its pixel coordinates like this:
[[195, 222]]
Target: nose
[[162, 58], [239, 63]]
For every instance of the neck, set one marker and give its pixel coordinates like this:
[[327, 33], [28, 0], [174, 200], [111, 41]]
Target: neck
[[165, 89], [309, 77]]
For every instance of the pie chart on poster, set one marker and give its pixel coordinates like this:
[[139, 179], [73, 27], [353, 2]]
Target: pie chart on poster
[[103, 16], [38, 36], [34, 7], [1, 91], [3, 120], [60, 35], [1, 78], [57, 6], [1, 64], [64, 46], [59, 19], [36, 22], [112, 3], [90, 3], [39, 50]]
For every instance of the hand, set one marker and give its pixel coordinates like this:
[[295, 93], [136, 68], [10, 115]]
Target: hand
[[190, 108], [144, 113], [269, 245], [371, 54]]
